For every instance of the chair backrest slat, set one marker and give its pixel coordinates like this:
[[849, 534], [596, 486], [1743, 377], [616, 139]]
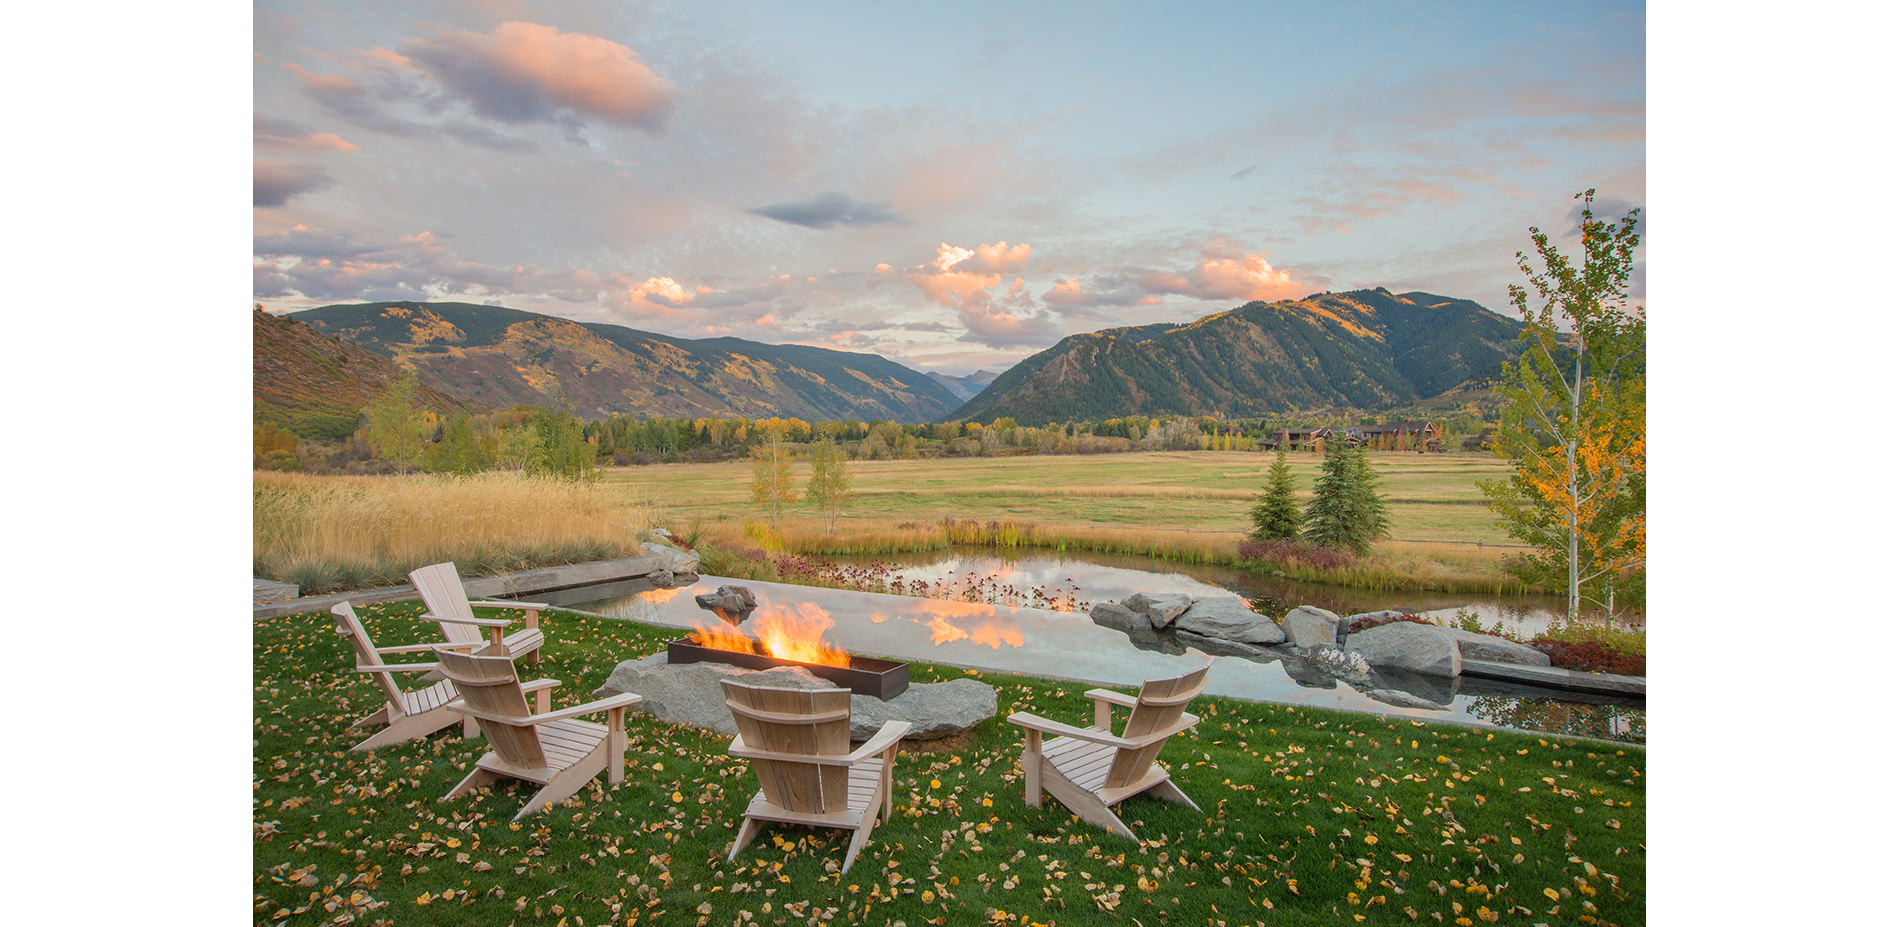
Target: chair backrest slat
[[1160, 704], [442, 593], [804, 722], [489, 684], [350, 626]]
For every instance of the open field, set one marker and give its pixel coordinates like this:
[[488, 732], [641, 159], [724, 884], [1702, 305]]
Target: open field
[[1432, 497], [1308, 817]]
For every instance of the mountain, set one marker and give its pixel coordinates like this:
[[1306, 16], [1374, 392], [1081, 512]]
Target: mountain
[[967, 386], [315, 384], [501, 357], [1366, 349]]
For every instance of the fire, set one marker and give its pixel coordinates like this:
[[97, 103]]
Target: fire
[[795, 633]]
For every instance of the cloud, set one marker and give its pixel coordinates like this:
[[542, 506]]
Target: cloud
[[962, 278], [1102, 290], [274, 184], [1226, 274], [526, 72], [828, 209], [283, 135]]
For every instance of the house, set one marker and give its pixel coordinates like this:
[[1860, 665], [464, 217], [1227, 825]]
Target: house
[[1408, 435]]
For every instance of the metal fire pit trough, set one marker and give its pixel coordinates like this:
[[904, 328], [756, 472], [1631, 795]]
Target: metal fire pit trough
[[883, 679]]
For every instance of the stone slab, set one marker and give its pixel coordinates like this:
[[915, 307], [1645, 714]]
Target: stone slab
[[265, 591], [1551, 677], [526, 582]]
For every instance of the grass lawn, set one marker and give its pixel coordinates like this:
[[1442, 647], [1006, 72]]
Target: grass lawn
[[1432, 497], [1309, 816]]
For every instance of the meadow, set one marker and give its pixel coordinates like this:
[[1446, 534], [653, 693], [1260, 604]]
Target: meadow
[[1309, 817]]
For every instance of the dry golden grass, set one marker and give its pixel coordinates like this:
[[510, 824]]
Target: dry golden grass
[[350, 531]]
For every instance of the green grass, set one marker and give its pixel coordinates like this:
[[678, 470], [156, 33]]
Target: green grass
[[1309, 816], [1432, 497]]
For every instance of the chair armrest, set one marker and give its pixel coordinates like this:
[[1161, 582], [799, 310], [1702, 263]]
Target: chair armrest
[[536, 685], [622, 700], [399, 668], [1112, 697], [478, 622], [405, 648], [1186, 721], [524, 606], [890, 733], [1046, 726]]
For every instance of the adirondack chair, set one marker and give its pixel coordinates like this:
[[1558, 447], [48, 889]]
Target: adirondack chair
[[410, 715], [799, 742], [1091, 770], [447, 604], [549, 748]]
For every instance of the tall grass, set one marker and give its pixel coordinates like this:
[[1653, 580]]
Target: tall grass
[[327, 533]]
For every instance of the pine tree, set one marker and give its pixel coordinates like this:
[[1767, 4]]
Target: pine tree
[[1275, 515], [1346, 511]]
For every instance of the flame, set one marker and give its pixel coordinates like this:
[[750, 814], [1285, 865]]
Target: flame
[[795, 633]]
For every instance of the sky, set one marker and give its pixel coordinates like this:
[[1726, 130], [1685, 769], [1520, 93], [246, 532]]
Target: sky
[[952, 186]]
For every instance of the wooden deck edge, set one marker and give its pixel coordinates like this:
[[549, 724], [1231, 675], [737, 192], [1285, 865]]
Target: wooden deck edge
[[526, 582], [1551, 677]]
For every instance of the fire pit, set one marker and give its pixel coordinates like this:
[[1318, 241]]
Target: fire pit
[[862, 675]]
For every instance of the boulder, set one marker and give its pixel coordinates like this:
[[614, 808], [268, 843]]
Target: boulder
[[1160, 607], [1342, 663], [1407, 646], [731, 603], [1157, 641], [1389, 614], [1229, 618], [934, 709], [677, 567], [1111, 615], [1310, 626], [689, 693], [1308, 674], [1475, 646], [1437, 690], [1217, 647]]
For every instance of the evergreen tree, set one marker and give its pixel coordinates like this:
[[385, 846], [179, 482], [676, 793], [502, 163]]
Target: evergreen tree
[[1275, 515], [1346, 511]]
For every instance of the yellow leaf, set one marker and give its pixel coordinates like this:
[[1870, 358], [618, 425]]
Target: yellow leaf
[[1551, 893]]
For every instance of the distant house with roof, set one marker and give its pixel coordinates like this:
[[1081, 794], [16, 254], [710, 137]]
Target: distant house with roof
[[1407, 435]]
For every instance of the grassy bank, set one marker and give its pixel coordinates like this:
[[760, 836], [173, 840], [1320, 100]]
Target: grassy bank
[[1308, 816], [1188, 507], [351, 532]]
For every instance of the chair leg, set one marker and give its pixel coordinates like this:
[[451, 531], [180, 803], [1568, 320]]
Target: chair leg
[[1032, 768], [379, 716], [567, 782], [474, 780], [408, 727], [1086, 805], [747, 830], [858, 837], [1166, 790]]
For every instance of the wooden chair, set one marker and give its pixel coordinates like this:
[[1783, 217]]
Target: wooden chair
[[446, 603], [799, 742], [410, 715], [1091, 770], [549, 748]]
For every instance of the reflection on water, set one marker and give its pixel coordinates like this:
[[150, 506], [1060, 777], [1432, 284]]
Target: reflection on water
[[1102, 577], [1067, 645]]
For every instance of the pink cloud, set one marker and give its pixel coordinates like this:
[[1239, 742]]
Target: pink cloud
[[525, 72], [1226, 274], [962, 278]]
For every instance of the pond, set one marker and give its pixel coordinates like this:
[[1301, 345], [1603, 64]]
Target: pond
[[1089, 576], [1067, 645]]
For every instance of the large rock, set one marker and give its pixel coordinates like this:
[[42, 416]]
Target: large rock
[[1310, 626], [934, 709], [1403, 699], [1111, 615], [731, 603], [1162, 608], [1408, 646], [1342, 663], [1149, 639], [1438, 690], [677, 567], [1475, 646], [1229, 618], [689, 693]]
